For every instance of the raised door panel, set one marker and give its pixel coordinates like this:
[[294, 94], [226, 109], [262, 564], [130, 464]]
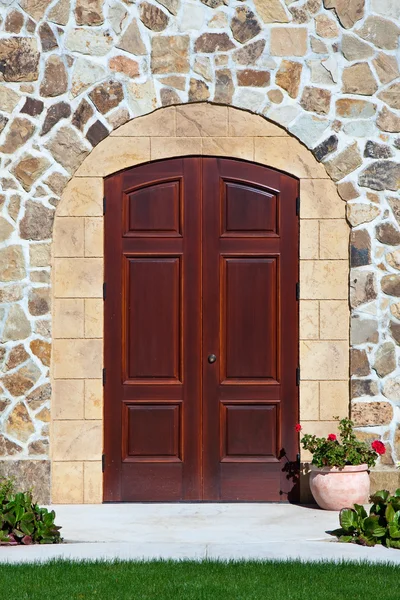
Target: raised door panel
[[153, 319], [249, 292], [155, 210], [248, 209]]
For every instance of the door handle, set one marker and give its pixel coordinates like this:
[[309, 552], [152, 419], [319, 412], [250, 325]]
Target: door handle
[[212, 358]]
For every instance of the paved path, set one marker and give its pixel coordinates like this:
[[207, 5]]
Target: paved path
[[196, 531]]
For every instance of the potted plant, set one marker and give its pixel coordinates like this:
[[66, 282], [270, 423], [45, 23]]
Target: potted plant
[[339, 474]]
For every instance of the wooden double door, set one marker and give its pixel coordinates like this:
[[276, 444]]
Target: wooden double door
[[201, 332]]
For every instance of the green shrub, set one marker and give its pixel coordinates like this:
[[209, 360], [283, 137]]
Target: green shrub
[[381, 526], [22, 521]]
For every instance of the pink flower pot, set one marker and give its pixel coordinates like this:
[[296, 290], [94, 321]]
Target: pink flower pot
[[335, 488]]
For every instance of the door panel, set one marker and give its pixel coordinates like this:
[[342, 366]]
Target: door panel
[[201, 257], [249, 318], [153, 327]]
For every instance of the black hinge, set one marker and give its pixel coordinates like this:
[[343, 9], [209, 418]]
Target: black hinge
[[297, 459], [104, 205], [298, 376], [103, 463], [104, 290], [298, 205], [297, 291], [104, 377]]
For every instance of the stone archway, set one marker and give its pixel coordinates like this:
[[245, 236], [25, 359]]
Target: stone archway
[[76, 441]]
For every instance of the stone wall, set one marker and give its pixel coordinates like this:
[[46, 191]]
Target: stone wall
[[74, 71]]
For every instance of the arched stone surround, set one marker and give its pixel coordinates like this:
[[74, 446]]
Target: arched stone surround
[[77, 427], [326, 71]]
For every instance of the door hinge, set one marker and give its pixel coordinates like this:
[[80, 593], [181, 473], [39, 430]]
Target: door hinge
[[297, 291], [104, 205], [104, 290], [298, 205], [104, 377], [103, 463], [298, 376], [297, 459]]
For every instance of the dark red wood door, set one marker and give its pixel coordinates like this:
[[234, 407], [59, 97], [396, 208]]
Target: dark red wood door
[[201, 332], [250, 323]]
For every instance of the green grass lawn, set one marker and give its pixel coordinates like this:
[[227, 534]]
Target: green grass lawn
[[207, 580]]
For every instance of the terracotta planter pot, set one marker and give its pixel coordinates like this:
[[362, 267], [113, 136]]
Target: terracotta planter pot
[[334, 488]]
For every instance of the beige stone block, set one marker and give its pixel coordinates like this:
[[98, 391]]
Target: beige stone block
[[78, 277], [318, 428], [94, 318], [323, 360], [287, 154], [309, 320], [77, 359], [160, 122], [334, 399], [320, 200], [68, 318], [40, 255], [240, 147], [169, 147], [94, 236], [92, 483], [67, 483], [68, 236], [77, 440], [334, 320], [333, 239], [323, 279], [67, 401], [244, 124], [309, 239], [93, 399], [82, 197], [288, 41], [309, 401], [114, 154], [201, 120]]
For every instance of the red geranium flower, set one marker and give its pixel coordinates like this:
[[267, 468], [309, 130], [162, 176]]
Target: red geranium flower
[[332, 437], [298, 427], [378, 447]]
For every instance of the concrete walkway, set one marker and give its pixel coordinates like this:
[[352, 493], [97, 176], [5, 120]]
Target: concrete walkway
[[196, 531]]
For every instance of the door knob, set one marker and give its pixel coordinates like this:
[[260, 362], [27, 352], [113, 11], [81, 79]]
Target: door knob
[[212, 358]]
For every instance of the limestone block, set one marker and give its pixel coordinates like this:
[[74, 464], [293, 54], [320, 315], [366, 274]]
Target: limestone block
[[324, 360], [78, 277], [93, 399], [77, 440], [67, 483], [77, 359], [334, 320], [323, 280], [68, 318], [309, 401], [68, 399], [309, 320], [93, 483]]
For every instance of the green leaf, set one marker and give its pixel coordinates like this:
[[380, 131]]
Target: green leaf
[[346, 539], [394, 532], [393, 543], [373, 527], [397, 493], [360, 510], [348, 519], [380, 496], [365, 540], [390, 513]]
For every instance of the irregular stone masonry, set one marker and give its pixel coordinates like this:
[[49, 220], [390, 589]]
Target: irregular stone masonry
[[72, 71]]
